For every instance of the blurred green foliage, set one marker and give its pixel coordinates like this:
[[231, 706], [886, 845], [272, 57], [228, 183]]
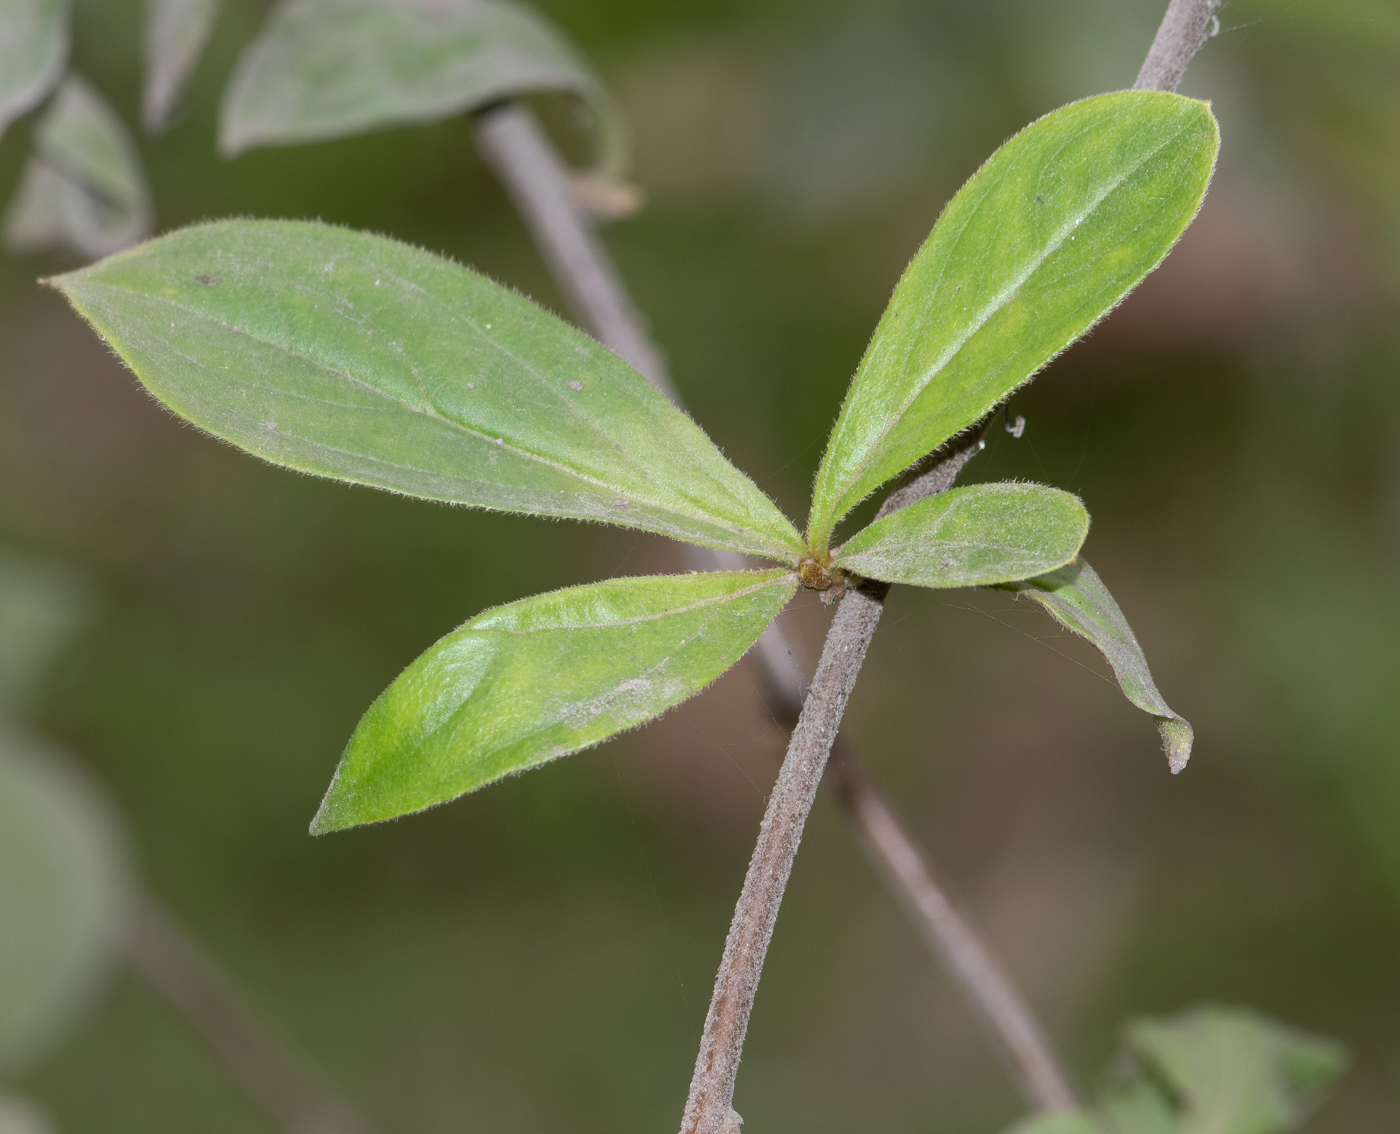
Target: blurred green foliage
[[537, 958]]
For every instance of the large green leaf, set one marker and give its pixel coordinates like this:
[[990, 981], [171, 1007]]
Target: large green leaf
[[175, 34], [537, 679], [64, 894], [40, 608], [360, 358], [1234, 1071], [329, 68], [968, 537], [1078, 600], [84, 188], [1054, 230], [33, 50]]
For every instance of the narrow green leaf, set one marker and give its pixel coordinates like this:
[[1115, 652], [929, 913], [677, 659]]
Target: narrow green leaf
[[1063, 1122], [356, 357], [64, 892], [1053, 231], [330, 68], [33, 50], [40, 608], [176, 33], [20, 1116], [1076, 597], [1236, 1072], [522, 684], [970, 537], [84, 189]]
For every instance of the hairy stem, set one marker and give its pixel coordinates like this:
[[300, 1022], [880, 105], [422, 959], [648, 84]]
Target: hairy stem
[[514, 145], [176, 966], [1184, 30]]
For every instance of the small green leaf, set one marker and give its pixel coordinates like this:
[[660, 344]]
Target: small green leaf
[[1060, 1122], [175, 35], [65, 889], [20, 1116], [1076, 597], [40, 608], [970, 537], [33, 50], [84, 188], [1136, 1104], [330, 68], [522, 684], [356, 357], [1053, 231], [1236, 1072]]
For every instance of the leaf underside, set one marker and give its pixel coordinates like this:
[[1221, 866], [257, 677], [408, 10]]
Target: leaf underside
[[33, 50], [331, 68], [64, 893], [526, 683], [1076, 598], [966, 537], [1044, 240], [175, 34], [84, 188], [356, 357]]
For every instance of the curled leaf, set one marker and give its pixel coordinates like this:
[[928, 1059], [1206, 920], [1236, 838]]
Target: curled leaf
[[356, 357], [525, 683], [1044, 240], [1076, 598], [331, 68], [84, 188], [967, 537], [175, 36]]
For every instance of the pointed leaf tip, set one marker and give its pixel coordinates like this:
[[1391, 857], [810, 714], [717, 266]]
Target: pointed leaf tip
[[526, 683]]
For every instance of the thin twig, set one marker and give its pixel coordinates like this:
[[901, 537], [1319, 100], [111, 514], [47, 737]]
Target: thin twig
[[515, 146], [175, 965], [708, 1109], [1184, 30]]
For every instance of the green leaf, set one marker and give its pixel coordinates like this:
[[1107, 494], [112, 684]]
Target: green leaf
[[1064, 1122], [40, 608], [360, 358], [330, 68], [1136, 1104], [20, 1116], [522, 684], [1054, 230], [1236, 1072], [968, 537], [33, 50], [84, 188], [175, 36], [65, 889], [1076, 597]]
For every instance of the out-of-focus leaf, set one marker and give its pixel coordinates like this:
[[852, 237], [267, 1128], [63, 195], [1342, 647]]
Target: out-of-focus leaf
[[525, 683], [969, 537], [84, 189], [1053, 231], [64, 893], [20, 1116], [1076, 597], [329, 68], [1234, 1071], [175, 35], [357, 357], [33, 50], [1137, 1105], [40, 607], [1066, 1122]]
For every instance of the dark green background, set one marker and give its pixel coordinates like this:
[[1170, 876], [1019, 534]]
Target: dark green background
[[537, 957]]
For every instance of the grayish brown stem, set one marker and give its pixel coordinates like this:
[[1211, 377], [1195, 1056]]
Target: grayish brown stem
[[1183, 32], [518, 150], [708, 1109], [175, 965]]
